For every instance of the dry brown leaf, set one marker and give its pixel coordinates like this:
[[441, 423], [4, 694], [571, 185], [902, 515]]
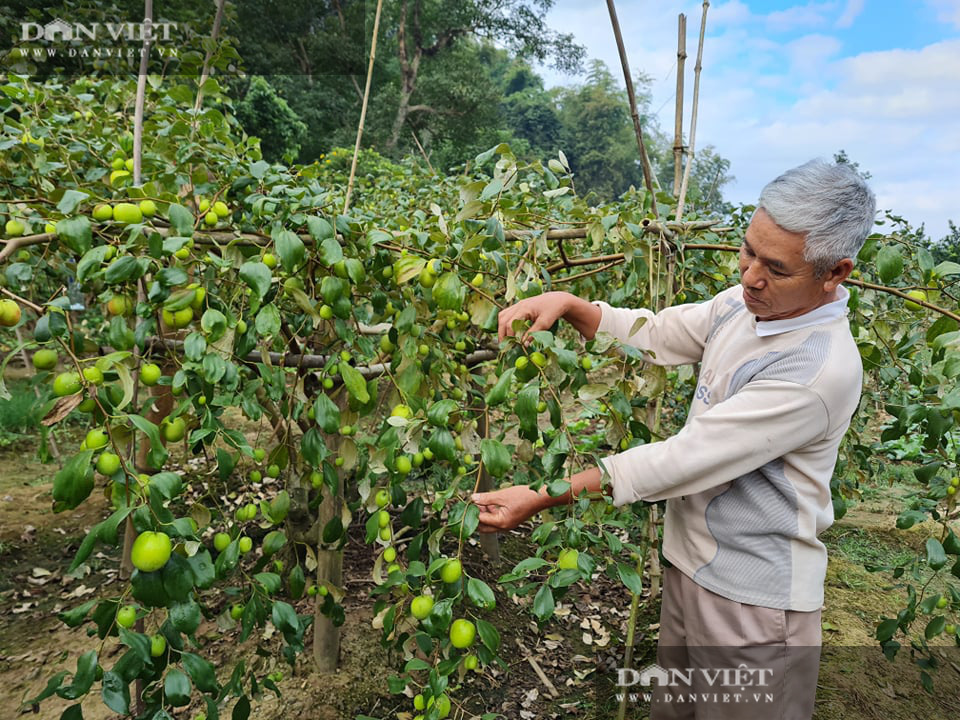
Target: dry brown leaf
[[63, 407]]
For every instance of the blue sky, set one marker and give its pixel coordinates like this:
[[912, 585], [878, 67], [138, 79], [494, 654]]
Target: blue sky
[[784, 82]]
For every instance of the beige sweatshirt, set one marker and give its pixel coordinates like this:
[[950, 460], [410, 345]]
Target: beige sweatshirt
[[747, 479]]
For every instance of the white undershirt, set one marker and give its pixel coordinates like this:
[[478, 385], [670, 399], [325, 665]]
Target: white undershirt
[[817, 316]]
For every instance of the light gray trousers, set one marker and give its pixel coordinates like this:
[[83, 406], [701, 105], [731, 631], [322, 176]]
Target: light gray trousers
[[725, 660]]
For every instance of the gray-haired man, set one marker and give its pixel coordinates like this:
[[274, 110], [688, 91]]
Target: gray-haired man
[[747, 480]]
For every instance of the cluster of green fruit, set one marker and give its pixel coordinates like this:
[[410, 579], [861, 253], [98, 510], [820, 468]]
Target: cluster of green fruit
[[212, 214], [125, 213]]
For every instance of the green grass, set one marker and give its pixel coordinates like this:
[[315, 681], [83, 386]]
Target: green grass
[[20, 413], [865, 548]]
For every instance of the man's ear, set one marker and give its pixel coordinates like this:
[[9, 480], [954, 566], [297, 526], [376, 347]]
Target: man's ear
[[836, 275]]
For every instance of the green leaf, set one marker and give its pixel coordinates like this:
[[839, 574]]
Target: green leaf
[[201, 565], [115, 693], [498, 393], [201, 672], [947, 267], [53, 684], [439, 413], [935, 627], [407, 268], [269, 580], [488, 635], [83, 678], [887, 629], [556, 454], [241, 711], [333, 288], [951, 543], [125, 269], [297, 582], [631, 578], [321, 229], [76, 616], [75, 233], [257, 276], [936, 557], [71, 198], [176, 687], [448, 291], [74, 483], [480, 594], [289, 248], [185, 617], [356, 385], [327, 414], [268, 320], [158, 454], [593, 392], [181, 219], [495, 456], [442, 445], [214, 323], [167, 484], [137, 642], [284, 617], [543, 604], [91, 261], [273, 541], [332, 531], [355, 271], [276, 510], [177, 578], [889, 263], [526, 410], [908, 518]]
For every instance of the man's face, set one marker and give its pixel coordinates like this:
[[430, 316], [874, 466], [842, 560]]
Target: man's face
[[777, 282]]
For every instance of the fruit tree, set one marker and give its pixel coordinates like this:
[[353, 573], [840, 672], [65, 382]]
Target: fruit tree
[[365, 341]]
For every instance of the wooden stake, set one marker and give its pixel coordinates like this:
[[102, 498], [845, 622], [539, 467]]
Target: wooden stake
[[489, 542], [363, 109], [141, 92], [678, 116], [648, 179], [693, 117]]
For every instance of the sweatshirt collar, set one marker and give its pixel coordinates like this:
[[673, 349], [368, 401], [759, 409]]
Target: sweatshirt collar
[[817, 316]]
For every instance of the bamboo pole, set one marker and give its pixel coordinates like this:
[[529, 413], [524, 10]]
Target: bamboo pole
[[678, 115], [141, 92], [205, 71], [363, 109], [129, 532], [648, 178], [693, 116]]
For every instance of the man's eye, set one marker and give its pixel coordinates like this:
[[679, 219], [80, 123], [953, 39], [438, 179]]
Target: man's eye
[[777, 273]]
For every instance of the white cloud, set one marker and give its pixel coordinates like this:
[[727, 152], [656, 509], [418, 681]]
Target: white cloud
[[948, 11], [799, 17], [769, 102], [850, 13]]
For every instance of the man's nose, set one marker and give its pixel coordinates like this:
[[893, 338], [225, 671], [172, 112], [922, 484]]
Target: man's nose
[[752, 275]]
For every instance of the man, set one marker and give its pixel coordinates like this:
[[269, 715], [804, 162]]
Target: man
[[747, 480]]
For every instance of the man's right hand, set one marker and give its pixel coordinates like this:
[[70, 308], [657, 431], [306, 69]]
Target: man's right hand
[[544, 310], [541, 310]]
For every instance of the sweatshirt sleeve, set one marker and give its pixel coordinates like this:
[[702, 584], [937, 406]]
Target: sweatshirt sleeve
[[673, 336], [763, 421]]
